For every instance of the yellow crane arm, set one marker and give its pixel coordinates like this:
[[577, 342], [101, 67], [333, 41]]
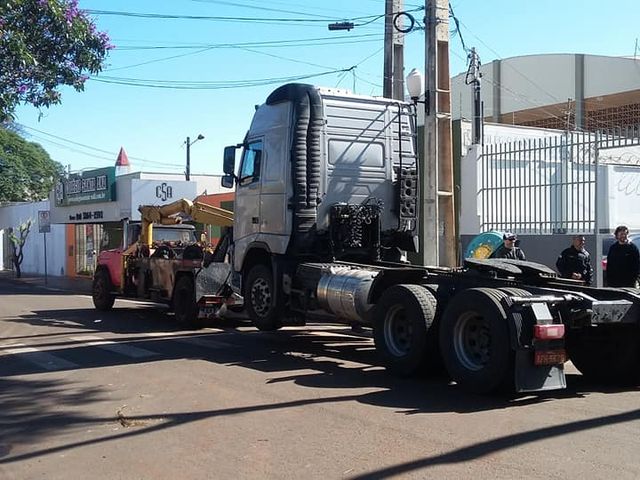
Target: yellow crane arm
[[164, 215]]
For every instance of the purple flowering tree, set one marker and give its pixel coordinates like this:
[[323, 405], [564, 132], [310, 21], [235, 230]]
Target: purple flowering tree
[[45, 44]]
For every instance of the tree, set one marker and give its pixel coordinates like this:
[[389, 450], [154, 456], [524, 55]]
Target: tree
[[27, 172], [17, 244], [45, 44]]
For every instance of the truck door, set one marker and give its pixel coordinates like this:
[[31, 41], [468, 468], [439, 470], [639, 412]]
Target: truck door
[[247, 202]]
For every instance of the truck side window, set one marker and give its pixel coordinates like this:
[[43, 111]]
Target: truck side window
[[251, 160]]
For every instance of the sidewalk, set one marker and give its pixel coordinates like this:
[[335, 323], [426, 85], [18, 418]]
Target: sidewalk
[[71, 284]]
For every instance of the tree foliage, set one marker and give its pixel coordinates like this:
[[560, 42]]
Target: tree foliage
[[27, 172], [45, 44]]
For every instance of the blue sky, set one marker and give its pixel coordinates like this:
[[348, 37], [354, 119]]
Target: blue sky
[[153, 123]]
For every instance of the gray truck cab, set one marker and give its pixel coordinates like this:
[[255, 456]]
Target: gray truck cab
[[325, 174]]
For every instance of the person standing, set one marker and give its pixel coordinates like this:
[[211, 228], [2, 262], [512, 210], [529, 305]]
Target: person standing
[[574, 262], [623, 261], [508, 248]]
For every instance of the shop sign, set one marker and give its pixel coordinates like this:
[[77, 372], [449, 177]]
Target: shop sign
[[87, 216], [92, 186]]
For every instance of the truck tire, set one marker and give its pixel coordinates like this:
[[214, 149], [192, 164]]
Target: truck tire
[[184, 303], [260, 299], [401, 320], [606, 354], [474, 341], [101, 290]]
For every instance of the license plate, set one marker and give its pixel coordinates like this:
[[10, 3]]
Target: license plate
[[206, 312], [550, 357]]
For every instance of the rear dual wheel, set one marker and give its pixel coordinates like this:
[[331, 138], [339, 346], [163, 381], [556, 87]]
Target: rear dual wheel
[[401, 320], [474, 341]]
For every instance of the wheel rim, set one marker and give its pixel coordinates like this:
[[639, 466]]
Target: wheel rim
[[472, 341], [260, 297], [397, 331]]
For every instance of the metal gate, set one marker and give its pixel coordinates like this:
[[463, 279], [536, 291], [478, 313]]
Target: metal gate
[[550, 185]]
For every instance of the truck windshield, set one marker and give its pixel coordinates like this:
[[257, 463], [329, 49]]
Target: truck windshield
[[173, 235]]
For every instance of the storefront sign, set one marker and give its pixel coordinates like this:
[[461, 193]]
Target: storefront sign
[[159, 192], [87, 216], [92, 186]]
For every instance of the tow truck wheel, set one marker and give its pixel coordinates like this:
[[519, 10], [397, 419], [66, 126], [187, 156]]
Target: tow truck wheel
[[260, 299], [401, 320], [606, 354], [474, 341], [184, 303], [103, 299]]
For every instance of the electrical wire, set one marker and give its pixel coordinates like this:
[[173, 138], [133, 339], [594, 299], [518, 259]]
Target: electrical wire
[[264, 44], [89, 147], [207, 85]]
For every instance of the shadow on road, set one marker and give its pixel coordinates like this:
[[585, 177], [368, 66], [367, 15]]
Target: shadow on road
[[335, 359]]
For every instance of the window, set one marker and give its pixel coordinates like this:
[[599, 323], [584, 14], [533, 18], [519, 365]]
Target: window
[[251, 160]]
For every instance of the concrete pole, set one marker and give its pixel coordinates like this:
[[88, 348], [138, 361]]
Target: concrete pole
[[393, 75], [438, 239]]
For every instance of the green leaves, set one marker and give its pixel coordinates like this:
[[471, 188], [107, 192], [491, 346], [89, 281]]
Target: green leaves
[[45, 44], [27, 172]]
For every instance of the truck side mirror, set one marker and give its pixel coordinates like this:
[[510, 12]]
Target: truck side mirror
[[229, 163], [227, 181]]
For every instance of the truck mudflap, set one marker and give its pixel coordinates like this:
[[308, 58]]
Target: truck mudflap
[[529, 377], [537, 337]]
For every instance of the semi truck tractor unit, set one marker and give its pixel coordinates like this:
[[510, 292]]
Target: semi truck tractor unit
[[326, 208], [327, 204]]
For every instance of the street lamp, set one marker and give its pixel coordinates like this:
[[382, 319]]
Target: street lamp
[[187, 173], [415, 87]]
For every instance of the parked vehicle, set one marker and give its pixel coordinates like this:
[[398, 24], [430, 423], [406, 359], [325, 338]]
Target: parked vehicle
[[327, 202], [161, 263]]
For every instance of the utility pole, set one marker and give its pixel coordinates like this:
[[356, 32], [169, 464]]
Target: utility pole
[[436, 184], [393, 84], [187, 172], [473, 78]]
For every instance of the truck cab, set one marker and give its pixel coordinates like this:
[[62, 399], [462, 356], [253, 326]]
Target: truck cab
[[325, 174]]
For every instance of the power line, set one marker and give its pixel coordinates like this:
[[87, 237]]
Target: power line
[[207, 85], [89, 147], [262, 44], [163, 16]]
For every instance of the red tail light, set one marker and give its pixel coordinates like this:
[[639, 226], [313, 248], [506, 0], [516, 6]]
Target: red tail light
[[548, 332]]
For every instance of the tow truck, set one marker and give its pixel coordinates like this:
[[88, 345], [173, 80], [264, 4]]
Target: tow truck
[[161, 263]]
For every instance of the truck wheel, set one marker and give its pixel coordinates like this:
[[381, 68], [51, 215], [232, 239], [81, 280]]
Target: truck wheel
[[401, 320], [184, 303], [103, 299], [260, 299], [474, 341], [606, 354]]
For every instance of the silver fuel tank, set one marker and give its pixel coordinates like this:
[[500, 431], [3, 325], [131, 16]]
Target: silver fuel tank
[[344, 291]]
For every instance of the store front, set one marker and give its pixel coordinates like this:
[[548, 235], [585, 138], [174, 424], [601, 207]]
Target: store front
[[95, 205]]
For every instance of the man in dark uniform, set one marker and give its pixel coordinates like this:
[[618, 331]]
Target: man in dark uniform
[[623, 261], [574, 262], [508, 248]]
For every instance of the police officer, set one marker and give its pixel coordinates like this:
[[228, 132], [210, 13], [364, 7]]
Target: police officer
[[574, 262], [508, 248]]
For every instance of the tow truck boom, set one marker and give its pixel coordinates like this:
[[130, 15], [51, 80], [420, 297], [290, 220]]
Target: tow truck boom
[[166, 215]]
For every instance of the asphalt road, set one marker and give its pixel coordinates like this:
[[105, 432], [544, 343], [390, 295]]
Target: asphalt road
[[128, 395]]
